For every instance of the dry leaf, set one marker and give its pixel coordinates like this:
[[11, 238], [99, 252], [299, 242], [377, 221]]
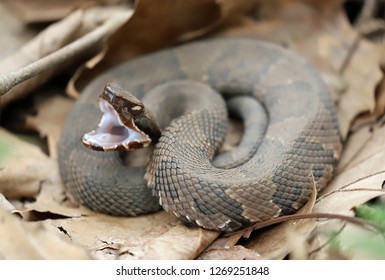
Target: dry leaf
[[363, 144], [55, 38], [52, 112], [233, 8], [380, 96], [237, 252], [152, 236], [318, 30], [155, 236], [38, 11], [20, 240], [52, 199], [24, 168], [222, 246], [353, 147], [154, 24], [5, 204], [341, 197], [9, 27], [363, 74]]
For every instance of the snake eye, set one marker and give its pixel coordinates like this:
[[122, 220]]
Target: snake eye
[[136, 110]]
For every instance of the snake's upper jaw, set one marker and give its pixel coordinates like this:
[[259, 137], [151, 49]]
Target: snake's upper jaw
[[114, 135]]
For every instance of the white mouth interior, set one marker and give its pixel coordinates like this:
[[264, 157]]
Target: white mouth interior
[[111, 131]]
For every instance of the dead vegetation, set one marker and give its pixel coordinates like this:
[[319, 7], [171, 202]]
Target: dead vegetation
[[38, 220]]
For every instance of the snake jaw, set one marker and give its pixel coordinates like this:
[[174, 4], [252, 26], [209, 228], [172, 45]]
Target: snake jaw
[[114, 134]]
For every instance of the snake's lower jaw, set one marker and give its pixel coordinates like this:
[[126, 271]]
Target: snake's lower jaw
[[122, 146], [113, 135]]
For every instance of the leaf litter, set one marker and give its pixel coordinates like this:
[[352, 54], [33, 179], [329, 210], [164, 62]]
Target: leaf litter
[[39, 220]]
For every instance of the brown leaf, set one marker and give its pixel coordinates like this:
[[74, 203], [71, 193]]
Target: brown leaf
[[52, 199], [341, 197], [19, 240], [380, 97], [155, 236], [53, 38], [39, 11], [152, 236], [51, 114], [369, 118], [24, 168], [222, 246], [9, 27], [319, 30], [363, 74], [5, 204], [233, 8], [155, 25], [353, 146], [54, 43], [365, 143], [234, 253]]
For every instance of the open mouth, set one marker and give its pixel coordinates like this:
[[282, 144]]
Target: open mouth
[[112, 134]]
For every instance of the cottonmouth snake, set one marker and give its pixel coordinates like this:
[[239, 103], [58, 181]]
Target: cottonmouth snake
[[299, 149]]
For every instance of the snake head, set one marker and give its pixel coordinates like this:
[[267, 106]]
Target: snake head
[[125, 125]]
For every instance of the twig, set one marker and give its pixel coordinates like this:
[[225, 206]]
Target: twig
[[367, 11], [366, 14], [354, 220], [327, 241], [7, 82], [351, 52]]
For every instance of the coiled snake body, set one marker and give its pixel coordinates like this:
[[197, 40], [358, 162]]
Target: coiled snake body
[[299, 149]]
